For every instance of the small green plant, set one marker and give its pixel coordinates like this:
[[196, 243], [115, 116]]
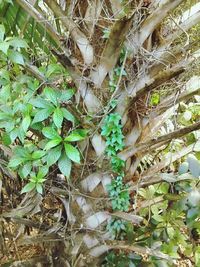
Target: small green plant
[[49, 104], [118, 191], [155, 99], [34, 118], [112, 130], [117, 228], [36, 181], [121, 259]]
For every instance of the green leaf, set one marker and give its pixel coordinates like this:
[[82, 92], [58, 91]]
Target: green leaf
[[42, 115], [26, 123], [28, 188], [5, 74], [6, 139], [13, 134], [14, 162], [5, 93], [42, 172], [68, 115], [194, 198], [183, 168], [194, 166], [16, 57], [58, 117], [51, 95], [50, 133], [4, 46], [17, 43], [2, 32], [72, 153], [53, 143], [64, 164], [39, 188], [53, 69], [38, 154], [41, 103], [21, 134], [22, 152], [26, 169], [53, 155], [66, 95], [187, 115], [77, 135]]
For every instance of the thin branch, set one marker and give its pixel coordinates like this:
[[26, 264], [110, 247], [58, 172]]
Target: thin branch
[[112, 49], [138, 249], [146, 84], [169, 102], [156, 81], [182, 28], [151, 23], [135, 219], [169, 159], [77, 35], [116, 7], [152, 175], [168, 137], [131, 150], [92, 15]]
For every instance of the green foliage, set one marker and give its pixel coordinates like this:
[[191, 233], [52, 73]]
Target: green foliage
[[192, 165], [36, 181], [48, 104], [10, 47], [155, 99], [34, 119], [112, 130], [117, 228], [121, 260], [189, 113], [172, 218], [119, 194], [113, 133]]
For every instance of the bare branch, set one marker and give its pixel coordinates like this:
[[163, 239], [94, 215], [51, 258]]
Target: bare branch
[[92, 15], [172, 100], [182, 28], [112, 50], [152, 175], [138, 249], [128, 217], [131, 150], [162, 77], [151, 23], [116, 7], [169, 159], [146, 84], [77, 35]]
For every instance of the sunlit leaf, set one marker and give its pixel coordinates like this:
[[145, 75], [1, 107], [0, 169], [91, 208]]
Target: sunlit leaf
[[27, 188], [64, 164]]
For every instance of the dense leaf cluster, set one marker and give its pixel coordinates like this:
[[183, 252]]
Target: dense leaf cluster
[[34, 119]]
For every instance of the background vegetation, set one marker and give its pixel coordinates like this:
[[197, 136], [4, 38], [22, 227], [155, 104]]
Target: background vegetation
[[100, 133]]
